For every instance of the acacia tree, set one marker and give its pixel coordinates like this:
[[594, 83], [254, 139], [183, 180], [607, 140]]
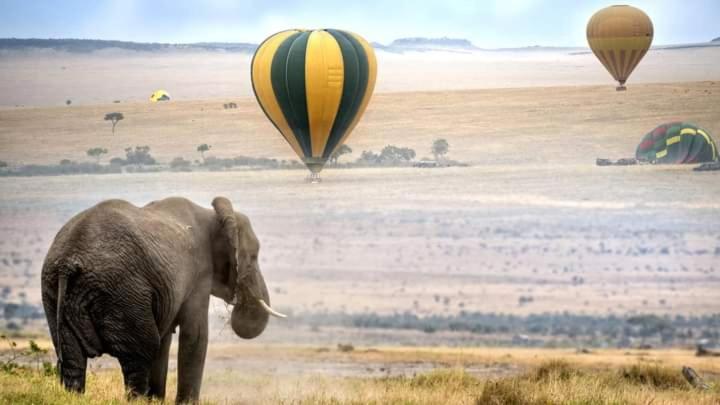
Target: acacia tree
[[342, 150], [114, 117], [202, 149], [392, 154], [139, 156], [439, 148], [96, 153]]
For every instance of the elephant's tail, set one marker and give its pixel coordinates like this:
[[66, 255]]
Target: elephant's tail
[[73, 327], [62, 287]]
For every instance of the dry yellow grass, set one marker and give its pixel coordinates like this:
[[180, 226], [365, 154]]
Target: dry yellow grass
[[551, 382], [536, 376], [493, 126]]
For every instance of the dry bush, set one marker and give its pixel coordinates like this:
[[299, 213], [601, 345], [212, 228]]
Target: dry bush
[[553, 370], [655, 376]]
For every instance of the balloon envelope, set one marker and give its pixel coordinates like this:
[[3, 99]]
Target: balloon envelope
[[677, 143], [314, 86], [620, 36], [159, 95]]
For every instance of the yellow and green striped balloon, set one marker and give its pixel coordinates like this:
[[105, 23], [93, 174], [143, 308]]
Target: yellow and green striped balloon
[[314, 86]]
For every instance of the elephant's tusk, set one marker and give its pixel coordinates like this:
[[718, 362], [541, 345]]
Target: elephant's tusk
[[269, 310]]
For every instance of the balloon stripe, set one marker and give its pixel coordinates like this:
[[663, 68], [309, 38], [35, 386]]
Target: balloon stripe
[[280, 82], [635, 64], [709, 141], [297, 91], [620, 43], [324, 87], [262, 86], [603, 59], [370, 86], [355, 62], [632, 62], [623, 63], [615, 72]]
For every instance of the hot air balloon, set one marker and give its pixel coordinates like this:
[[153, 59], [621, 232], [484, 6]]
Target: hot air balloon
[[314, 86], [620, 36], [159, 95], [677, 143]]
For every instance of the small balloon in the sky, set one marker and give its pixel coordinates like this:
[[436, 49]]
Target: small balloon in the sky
[[620, 36]]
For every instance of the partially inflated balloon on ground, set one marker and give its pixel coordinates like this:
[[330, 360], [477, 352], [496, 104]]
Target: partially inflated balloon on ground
[[620, 36], [159, 95], [677, 143], [314, 86]]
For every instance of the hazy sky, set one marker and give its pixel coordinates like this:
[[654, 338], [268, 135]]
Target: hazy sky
[[488, 23]]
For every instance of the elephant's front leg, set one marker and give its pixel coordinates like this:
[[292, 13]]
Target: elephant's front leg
[[158, 372], [192, 349]]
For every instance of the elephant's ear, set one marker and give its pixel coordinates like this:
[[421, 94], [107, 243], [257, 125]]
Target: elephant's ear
[[228, 227]]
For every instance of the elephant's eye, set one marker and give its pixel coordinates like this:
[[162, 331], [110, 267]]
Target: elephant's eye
[[254, 257]]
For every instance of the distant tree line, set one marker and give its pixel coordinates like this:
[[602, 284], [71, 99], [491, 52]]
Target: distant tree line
[[140, 159], [615, 330]]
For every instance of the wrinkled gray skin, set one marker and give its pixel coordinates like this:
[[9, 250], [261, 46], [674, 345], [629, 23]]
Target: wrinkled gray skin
[[119, 279]]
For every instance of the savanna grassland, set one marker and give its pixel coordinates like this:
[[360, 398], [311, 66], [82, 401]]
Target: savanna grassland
[[320, 375], [423, 276], [531, 226]]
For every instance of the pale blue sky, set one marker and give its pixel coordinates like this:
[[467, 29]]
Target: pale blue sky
[[489, 23]]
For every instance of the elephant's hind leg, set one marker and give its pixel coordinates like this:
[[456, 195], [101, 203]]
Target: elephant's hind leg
[[131, 335], [73, 367], [158, 374], [137, 377]]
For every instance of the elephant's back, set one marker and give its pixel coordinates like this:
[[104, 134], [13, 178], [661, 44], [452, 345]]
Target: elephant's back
[[109, 236]]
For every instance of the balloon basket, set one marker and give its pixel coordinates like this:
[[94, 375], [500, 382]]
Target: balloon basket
[[621, 88], [313, 178]]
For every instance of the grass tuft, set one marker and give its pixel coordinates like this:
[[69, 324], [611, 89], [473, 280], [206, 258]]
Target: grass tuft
[[553, 370], [455, 378], [655, 376], [509, 391]]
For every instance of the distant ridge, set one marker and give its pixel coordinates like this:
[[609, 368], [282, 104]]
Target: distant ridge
[[432, 43], [401, 45], [91, 45], [398, 46]]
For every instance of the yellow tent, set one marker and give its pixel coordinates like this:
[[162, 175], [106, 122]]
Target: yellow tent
[[159, 95]]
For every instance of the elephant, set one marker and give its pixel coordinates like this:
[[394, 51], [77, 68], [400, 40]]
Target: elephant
[[119, 279]]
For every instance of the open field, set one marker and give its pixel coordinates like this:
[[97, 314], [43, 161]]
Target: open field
[[532, 218], [304, 374], [48, 78], [532, 226], [543, 126], [490, 233]]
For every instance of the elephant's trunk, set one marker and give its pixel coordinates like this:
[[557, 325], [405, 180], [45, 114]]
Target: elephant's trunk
[[249, 316]]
